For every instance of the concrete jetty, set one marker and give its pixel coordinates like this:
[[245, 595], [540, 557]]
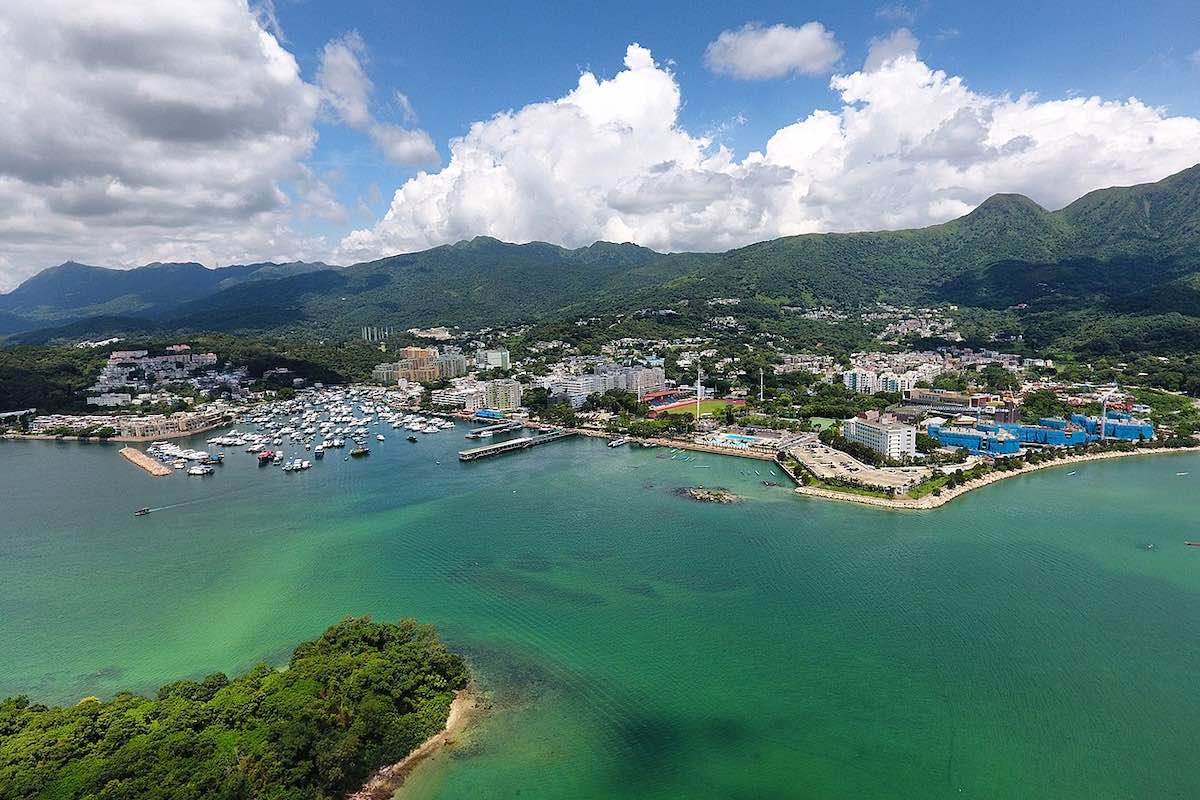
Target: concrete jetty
[[145, 462], [511, 445]]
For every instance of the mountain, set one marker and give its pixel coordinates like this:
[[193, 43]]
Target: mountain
[[1075, 276], [73, 291]]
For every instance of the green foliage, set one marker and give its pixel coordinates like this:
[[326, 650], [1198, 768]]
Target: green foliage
[[363, 695], [1042, 403]]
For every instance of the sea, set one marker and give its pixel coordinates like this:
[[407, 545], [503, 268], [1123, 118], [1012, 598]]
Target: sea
[[1038, 637]]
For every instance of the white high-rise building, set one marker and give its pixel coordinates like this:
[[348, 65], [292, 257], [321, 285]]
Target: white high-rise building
[[882, 433]]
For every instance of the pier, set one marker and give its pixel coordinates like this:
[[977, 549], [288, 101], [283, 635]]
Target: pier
[[145, 462], [501, 427], [511, 445]]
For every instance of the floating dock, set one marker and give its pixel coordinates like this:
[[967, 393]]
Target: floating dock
[[511, 445], [145, 462]]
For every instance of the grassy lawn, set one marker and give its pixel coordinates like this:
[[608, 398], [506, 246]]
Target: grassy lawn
[[817, 483], [711, 407], [821, 423], [928, 487]]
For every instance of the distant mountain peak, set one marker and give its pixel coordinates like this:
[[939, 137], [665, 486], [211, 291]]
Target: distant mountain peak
[[1006, 205]]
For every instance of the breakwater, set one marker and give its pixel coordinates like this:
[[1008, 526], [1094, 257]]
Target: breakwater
[[144, 461]]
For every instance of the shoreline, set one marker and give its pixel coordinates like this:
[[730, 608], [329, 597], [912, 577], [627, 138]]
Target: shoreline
[[384, 783], [38, 437], [928, 502]]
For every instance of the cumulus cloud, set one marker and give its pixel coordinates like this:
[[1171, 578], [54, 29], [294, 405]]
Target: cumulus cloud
[[347, 89], [754, 52], [128, 135], [900, 42], [908, 145]]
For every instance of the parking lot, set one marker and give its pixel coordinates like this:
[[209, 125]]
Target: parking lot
[[827, 463]]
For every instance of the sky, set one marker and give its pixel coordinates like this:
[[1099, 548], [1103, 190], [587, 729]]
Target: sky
[[227, 131]]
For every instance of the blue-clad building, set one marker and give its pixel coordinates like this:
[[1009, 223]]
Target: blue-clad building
[[1048, 433], [979, 440], [1118, 425]]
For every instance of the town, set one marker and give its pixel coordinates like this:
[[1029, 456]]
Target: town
[[895, 425]]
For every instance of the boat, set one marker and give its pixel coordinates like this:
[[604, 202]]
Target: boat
[[319, 452], [411, 438], [141, 512], [1181, 473], [200, 470], [1192, 544], [618, 442], [379, 437], [265, 457], [360, 451]]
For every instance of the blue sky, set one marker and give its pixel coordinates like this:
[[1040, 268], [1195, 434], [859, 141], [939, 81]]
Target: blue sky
[[461, 62], [230, 131]]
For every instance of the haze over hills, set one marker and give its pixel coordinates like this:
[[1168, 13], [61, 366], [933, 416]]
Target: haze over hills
[[73, 291], [1128, 251]]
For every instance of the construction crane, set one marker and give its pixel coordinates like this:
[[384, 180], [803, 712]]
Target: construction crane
[[1104, 410]]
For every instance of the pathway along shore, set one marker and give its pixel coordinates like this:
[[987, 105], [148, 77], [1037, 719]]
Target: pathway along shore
[[145, 462], [384, 783], [930, 501]]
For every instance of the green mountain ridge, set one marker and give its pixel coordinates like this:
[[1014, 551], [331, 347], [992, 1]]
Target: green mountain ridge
[[1126, 251]]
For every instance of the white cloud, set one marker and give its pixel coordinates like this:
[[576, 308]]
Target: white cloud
[[902, 12], [347, 89], [909, 145], [754, 52], [900, 42], [141, 130], [1195, 58]]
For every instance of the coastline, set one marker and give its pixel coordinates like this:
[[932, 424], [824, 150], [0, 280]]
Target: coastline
[[386, 781], [903, 502], [37, 437]]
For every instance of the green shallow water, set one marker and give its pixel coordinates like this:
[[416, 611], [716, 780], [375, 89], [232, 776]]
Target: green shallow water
[[1015, 643]]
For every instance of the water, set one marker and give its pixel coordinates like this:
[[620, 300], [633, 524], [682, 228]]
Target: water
[[1018, 642]]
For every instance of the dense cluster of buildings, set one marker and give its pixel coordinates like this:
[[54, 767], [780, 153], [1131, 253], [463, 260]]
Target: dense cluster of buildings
[[422, 365], [575, 387], [143, 426], [129, 376], [467, 394]]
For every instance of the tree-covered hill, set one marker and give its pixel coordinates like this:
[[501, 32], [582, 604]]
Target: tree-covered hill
[[1114, 253], [73, 291], [360, 697]]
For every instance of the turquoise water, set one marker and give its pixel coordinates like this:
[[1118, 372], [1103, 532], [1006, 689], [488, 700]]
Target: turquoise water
[[1018, 642]]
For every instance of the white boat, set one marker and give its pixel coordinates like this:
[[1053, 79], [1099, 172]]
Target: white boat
[[200, 470], [379, 437]]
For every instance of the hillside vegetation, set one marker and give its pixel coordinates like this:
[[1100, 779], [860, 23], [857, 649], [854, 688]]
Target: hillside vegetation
[[362, 696], [1116, 259]]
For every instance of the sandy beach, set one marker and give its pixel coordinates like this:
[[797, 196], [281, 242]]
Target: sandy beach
[[384, 783], [929, 501]]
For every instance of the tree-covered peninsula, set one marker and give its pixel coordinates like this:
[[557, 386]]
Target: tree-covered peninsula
[[362, 696]]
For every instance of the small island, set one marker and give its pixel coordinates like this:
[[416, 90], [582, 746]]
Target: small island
[[359, 699], [714, 494]]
